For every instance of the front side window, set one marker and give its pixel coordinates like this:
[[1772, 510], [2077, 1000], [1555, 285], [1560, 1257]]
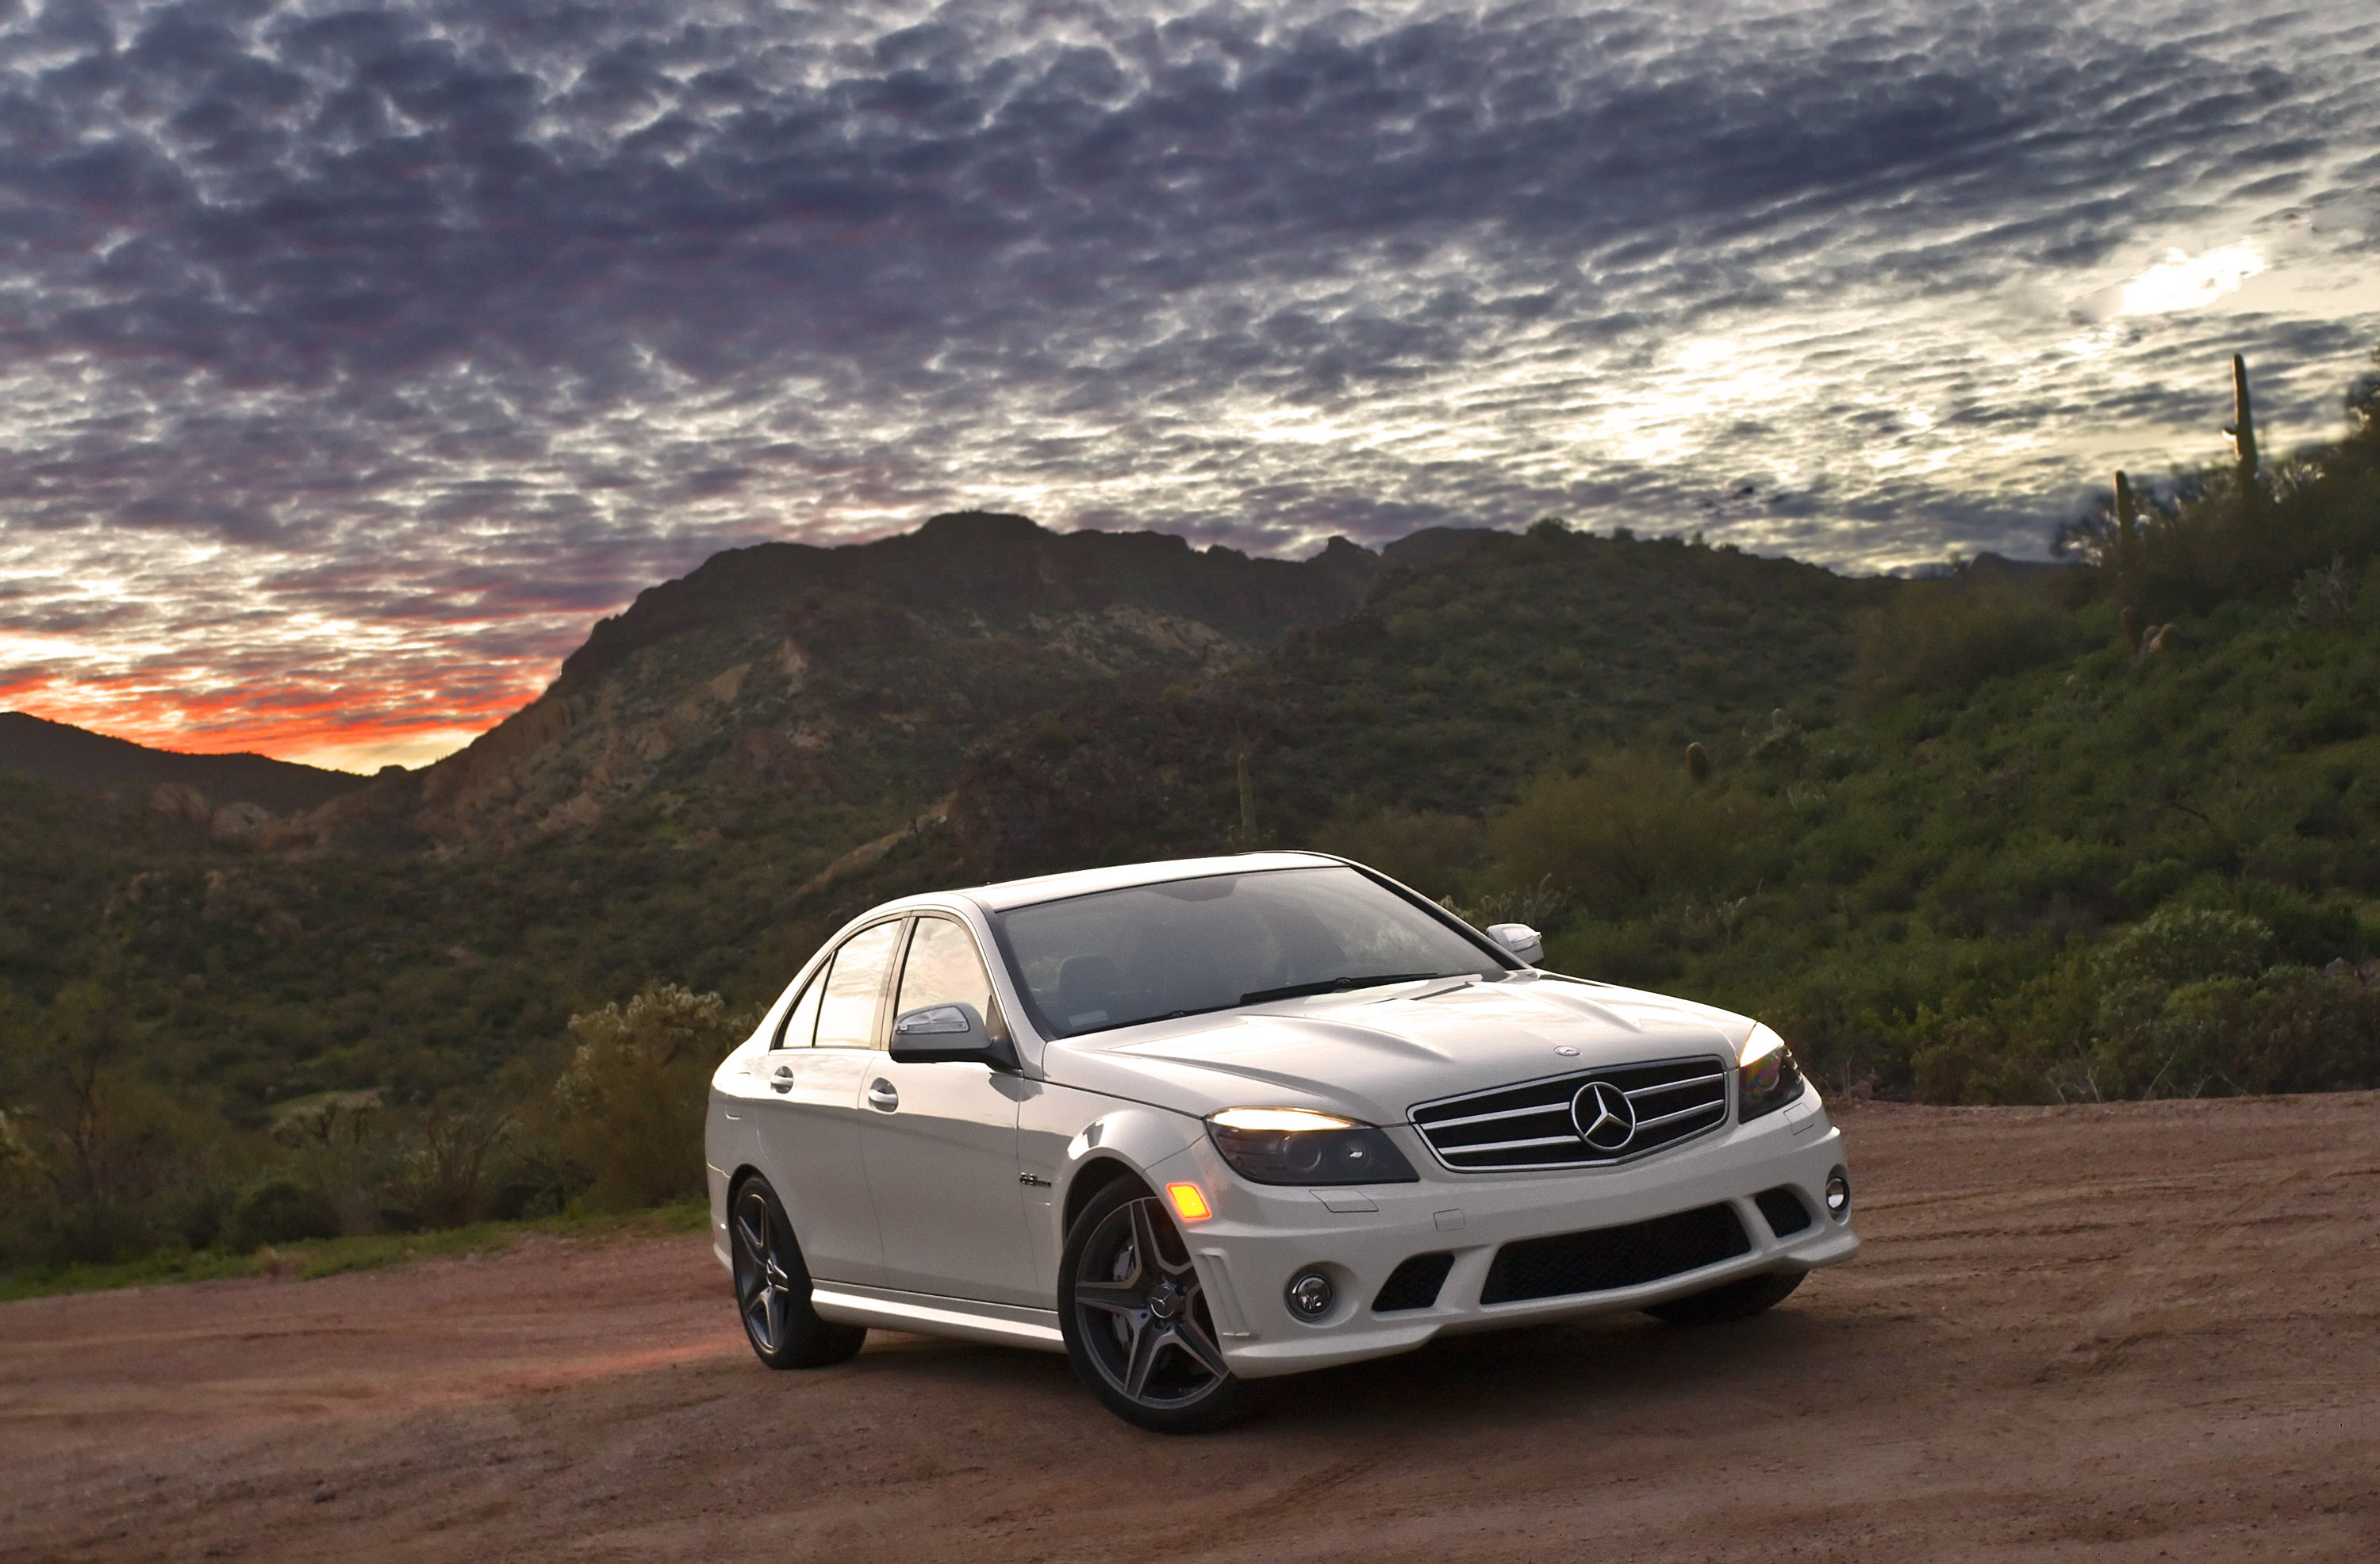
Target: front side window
[[854, 986], [1151, 952], [943, 968]]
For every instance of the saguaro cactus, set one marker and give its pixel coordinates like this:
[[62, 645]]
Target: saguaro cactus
[[2243, 427], [1697, 763], [2128, 513]]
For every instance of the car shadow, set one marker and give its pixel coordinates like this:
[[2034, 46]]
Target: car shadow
[[1454, 1381], [1613, 1360]]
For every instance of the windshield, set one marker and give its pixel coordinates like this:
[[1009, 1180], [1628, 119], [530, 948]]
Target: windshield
[[1117, 957]]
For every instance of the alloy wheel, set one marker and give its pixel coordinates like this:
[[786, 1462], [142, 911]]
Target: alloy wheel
[[764, 1288], [1141, 1314]]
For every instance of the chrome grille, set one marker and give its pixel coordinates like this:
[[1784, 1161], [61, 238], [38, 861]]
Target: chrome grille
[[1547, 1123]]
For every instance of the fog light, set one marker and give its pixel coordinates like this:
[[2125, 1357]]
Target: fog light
[[1838, 1194], [1310, 1294]]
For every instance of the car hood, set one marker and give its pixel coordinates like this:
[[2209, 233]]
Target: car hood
[[1373, 1054]]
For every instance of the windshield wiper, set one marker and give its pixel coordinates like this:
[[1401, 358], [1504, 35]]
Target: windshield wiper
[[1335, 985]]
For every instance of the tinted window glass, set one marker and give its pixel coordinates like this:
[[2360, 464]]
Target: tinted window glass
[[1117, 957], [801, 1022], [943, 968], [854, 984]]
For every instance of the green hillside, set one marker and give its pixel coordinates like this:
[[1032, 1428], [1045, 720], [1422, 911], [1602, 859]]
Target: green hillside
[[2014, 835]]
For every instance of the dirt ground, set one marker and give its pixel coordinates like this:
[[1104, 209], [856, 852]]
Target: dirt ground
[[2128, 1332]]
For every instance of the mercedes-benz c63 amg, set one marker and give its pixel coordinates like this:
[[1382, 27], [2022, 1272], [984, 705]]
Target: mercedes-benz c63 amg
[[1204, 1122]]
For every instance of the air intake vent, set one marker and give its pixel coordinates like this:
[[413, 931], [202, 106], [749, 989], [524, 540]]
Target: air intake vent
[[1605, 1258], [1414, 1284], [1783, 1209], [1579, 1121]]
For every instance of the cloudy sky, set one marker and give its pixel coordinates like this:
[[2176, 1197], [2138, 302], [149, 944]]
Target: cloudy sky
[[353, 358]]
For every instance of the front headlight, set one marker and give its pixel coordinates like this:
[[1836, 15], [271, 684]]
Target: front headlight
[[1765, 1077], [1295, 1146]]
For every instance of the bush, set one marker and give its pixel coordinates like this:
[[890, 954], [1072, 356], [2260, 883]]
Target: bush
[[631, 1100], [2289, 1030], [1628, 829], [281, 1210], [1426, 850], [1948, 637], [2177, 945], [440, 1175]]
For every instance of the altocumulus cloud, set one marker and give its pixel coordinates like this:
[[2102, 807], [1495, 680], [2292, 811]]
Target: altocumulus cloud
[[357, 356]]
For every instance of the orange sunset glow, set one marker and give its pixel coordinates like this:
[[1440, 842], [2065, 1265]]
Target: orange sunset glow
[[342, 727], [354, 363]]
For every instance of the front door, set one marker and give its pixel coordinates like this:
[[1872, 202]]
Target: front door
[[940, 1142]]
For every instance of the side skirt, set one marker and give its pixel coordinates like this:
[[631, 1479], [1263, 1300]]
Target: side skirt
[[884, 1309]]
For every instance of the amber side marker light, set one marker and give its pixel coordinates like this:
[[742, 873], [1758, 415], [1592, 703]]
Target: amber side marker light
[[1188, 1202]]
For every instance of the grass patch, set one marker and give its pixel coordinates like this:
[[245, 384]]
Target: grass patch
[[329, 1257]]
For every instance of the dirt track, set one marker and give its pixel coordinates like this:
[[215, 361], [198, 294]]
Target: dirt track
[[2131, 1332]]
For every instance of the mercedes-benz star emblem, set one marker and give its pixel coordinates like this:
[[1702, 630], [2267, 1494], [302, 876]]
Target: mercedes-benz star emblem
[[1604, 1119]]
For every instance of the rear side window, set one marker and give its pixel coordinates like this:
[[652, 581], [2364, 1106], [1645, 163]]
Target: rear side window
[[801, 1022], [853, 986]]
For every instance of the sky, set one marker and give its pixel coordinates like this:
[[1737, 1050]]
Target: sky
[[356, 356]]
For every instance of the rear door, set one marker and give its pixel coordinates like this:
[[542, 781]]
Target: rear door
[[940, 1142], [810, 1113]]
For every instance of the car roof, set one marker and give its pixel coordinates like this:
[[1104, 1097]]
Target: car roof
[[1011, 893]]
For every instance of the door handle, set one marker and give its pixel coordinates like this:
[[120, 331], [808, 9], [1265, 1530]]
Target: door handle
[[881, 1095], [782, 1082]]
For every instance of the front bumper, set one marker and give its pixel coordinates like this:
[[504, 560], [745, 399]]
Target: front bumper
[[1261, 1237]]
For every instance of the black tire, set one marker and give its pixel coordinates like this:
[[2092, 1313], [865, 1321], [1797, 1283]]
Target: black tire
[[1135, 1319], [773, 1287], [1737, 1300]]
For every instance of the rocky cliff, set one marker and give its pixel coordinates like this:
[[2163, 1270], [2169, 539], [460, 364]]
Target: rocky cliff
[[858, 675]]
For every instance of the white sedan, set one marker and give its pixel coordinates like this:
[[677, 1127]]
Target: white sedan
[[1203, 1122]]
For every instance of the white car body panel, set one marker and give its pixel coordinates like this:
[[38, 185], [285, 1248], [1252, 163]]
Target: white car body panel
[[954, 1132], [972, 1202]]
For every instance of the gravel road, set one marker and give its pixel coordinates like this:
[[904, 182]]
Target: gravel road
[[2136, 1331]]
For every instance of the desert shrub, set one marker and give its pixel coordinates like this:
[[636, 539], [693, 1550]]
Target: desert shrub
[[337, 1147], [2306, 931], [1636, 955], [631, 1102], [282, 1209], [20, 1166], [1948, 637], [1966, 1059], [2141, 891], [100, 1160], [1430, 851], [1629, 828], [2288, 1029], [440, 1174], [2177, 945], [1540, 906]]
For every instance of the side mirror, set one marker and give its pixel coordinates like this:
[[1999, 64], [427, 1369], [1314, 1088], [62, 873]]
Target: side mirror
[[949, 1034], [1519, 939]]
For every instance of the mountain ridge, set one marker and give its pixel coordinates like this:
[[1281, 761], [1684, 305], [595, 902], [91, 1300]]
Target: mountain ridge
[[791, 665], [60, 752]]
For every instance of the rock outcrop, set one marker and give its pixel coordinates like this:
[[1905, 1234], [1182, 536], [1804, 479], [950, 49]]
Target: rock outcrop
[[858, 675]]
